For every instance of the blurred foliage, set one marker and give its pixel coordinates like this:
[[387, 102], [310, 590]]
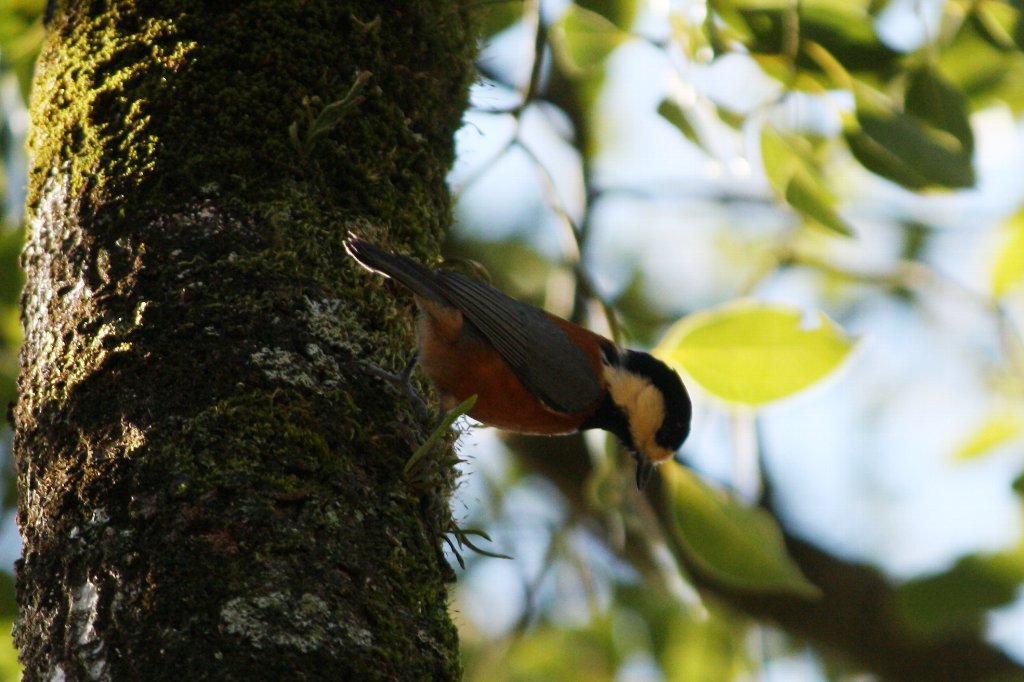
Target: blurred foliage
[[996, 429], [10, 669], [21, 35], [795, 173], [1008, 270], [957, 600], [640, 633], [842, 114], [736, 544], [10, 326]]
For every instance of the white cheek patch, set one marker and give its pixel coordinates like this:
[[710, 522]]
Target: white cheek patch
[[645, 410]]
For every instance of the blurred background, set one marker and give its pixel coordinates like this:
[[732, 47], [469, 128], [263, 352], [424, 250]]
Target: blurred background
[[628, 163], [21, 35], [627, 154]]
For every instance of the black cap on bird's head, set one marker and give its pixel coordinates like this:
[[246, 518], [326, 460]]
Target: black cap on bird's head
[[647, 407]]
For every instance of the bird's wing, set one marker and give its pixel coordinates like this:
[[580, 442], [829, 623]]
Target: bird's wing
[[542, 355]]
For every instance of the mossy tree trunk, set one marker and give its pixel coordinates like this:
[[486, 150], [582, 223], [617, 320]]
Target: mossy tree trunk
[[211, 483]]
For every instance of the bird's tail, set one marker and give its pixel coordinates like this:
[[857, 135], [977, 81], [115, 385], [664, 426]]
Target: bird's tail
[[418, 278]]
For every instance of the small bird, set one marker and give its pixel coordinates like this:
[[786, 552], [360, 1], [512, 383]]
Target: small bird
[[533, 372]]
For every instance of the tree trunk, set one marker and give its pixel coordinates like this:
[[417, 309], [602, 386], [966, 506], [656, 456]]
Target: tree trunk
[[211, 482]]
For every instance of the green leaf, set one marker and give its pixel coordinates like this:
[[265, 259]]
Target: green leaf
[[677, 116], [740, 546], [756, 22], [998, 23], [453, 414], [583, 40], [791, 170], [782, 155], [907, 149], [995, 430], [843, 28], [1008, 269], [814, 202], [462, 536], [753, 353], [939, 103], [846, 30], [495, 17]]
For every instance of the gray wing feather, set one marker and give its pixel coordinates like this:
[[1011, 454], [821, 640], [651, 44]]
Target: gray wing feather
[[539, 351]]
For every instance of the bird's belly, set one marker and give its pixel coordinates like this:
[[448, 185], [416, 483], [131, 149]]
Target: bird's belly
[[469, 366]]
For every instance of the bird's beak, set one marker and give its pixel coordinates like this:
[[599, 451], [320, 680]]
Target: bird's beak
[[644, 470]]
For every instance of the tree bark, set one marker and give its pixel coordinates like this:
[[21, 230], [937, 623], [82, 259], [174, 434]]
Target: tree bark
[[211, 483]]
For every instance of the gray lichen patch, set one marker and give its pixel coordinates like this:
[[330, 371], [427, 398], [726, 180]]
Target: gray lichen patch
[[332, 344], [279, 619]]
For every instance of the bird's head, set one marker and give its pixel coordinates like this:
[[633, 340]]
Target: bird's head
[[654, 407]]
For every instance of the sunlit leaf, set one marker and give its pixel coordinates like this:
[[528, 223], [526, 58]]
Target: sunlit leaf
[[1008, 269], [982, 70], [815, 202], [546, 651], [998, 22], [782, 156], [10, 669], [791, 170], [583, 40], [739, 546], [754, 353], [622, 13], [992, 432]]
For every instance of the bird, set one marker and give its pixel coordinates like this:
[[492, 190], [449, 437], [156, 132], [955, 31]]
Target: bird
[[534, 372]]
